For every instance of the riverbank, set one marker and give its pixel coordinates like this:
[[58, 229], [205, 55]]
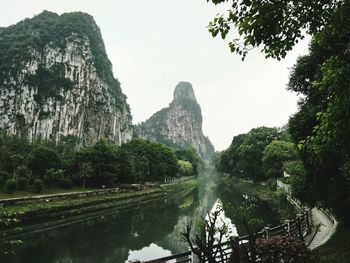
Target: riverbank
[[276, 199], [66, 210]]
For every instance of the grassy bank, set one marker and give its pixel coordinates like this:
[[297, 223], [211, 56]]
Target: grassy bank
[[30, 191], [337, 249], [66, 209], [276, 199]]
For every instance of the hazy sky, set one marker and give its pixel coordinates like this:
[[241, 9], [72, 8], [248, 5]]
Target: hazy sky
[[155, 44]]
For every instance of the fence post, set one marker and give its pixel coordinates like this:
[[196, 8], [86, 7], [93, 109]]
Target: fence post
[[300, 226], [307, 222], [194, 258], [267, 232], [288, 226], [235, 247]]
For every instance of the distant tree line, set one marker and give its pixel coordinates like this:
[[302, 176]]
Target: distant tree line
[[46, 164], [261, 154]]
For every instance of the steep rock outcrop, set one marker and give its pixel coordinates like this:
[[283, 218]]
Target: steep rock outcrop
[[180, 124], [56, 80]]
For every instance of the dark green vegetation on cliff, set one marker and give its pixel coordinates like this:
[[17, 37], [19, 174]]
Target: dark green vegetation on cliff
[[20, 42], [56, 80]]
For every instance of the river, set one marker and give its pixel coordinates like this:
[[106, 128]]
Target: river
[[143, 232]]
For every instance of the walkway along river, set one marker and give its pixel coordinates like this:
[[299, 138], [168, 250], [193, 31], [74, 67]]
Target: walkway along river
[[143, 232]]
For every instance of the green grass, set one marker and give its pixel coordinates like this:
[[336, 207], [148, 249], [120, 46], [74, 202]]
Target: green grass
[[337, 249]]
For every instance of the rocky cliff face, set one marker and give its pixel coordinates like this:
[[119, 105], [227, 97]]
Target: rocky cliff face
[[180, 124], [56, 80]]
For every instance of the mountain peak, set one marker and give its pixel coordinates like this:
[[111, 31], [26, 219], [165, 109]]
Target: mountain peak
[[184, 90]]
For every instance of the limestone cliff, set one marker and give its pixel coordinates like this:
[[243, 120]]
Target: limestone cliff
[[180, 124], [56, 79]]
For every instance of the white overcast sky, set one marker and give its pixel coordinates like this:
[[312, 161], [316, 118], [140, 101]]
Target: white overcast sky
[[154, 44]]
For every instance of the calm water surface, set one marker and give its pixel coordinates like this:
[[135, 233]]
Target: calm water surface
[[144, 232]]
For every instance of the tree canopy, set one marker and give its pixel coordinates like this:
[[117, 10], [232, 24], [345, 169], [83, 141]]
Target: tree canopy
[[275, 26], [321, 126], [260, 154]]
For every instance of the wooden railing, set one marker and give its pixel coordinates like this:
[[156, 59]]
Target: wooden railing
[[298, 227]]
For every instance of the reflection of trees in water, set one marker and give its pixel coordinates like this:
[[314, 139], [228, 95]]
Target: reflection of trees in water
[[234, 198], [107, 239]]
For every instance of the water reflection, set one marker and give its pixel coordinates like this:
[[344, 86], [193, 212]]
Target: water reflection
[[145, 232]]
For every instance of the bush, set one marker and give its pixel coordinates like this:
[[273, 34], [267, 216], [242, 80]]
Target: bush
[[4, 175], [282, 249], [22, 171], [22, 183], [11, 185], [38, 185], [66, 183], [272, 184], [1, 180]]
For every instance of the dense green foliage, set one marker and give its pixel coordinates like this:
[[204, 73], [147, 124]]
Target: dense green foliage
[[149, 161], [322, 125], [185, 167], [190, 155], [258, 155], [275, 26], [275, 155], [44, 164], [22, 42]]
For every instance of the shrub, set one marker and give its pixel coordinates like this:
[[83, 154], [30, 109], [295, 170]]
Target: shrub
[[66, 183], [22, 183], [4, 175], [272, 184], [11, 185], [38, 185], [282, 249], [22, 171]]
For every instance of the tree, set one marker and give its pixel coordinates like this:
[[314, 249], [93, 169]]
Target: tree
[[42, 159], [275, 154], [251, 151], [103, 159], [185, 168], [86, 171], [124, 168], [322, 125], [191, 156], [150, 161], [275, 26], [229, 160]]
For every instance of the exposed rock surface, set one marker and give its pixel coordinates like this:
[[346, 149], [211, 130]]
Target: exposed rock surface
[[180, 124], [56, 79]]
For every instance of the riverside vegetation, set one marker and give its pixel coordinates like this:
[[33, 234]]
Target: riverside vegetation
[[45, 166]]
